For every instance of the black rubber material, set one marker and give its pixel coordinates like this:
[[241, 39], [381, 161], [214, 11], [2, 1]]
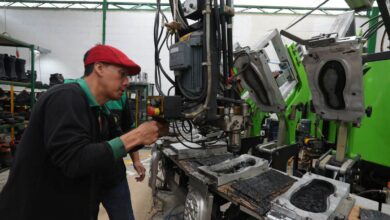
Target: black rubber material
[[314, 196], [368, 214], [263, 188]]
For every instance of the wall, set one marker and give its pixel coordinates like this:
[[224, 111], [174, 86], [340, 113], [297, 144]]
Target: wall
[[69, 33]]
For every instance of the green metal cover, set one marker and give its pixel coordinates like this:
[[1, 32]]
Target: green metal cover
[[372, 140], [300, 95]]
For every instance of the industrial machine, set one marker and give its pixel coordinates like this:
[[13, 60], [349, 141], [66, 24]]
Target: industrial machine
[[309, 92]]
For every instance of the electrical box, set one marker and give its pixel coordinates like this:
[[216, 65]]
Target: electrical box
[[193, 9], [167, 107]]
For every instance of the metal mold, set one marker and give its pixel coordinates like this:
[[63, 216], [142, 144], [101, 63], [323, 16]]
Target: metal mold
[[183, 152], [306, 207], [242, 167], [335, 76], [258, 74]]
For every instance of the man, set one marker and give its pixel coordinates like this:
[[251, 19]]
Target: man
[[114, 193], [63, 152]]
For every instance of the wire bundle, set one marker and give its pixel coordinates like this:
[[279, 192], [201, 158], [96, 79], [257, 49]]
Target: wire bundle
[[158, 44]]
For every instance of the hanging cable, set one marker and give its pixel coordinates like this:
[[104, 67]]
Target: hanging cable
[[158, 44], [383, 40], [373, 31], [372, 27], [307, 14], [373, 18]]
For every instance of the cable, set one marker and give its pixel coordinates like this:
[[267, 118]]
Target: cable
[[158, 44], [383, 40], [370, 20], [190, 95], [372, 27], [178, 139], [169, 90], [245, 66], [370, 191], [373, 31], [307, 14]]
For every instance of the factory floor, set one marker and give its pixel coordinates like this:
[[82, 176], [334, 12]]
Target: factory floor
[[141, 195]]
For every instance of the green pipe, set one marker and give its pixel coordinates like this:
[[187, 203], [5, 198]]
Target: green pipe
[[32, 48], [371, 44], [105, 6]]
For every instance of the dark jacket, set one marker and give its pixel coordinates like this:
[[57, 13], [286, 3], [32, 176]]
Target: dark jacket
[[59, 159]]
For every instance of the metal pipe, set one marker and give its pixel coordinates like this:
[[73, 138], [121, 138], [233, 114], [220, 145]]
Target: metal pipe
[[223, 33], [341, 141], [332, 168], [105, 6], [307, 14], [230, 35]]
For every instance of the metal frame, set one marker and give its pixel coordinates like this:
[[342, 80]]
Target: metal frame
[[151, 6]]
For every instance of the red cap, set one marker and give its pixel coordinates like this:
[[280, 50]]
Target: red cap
[[111, 55]]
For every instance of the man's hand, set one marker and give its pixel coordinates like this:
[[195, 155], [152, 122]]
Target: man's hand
[[163, 128], [145, 134], [139, 167]]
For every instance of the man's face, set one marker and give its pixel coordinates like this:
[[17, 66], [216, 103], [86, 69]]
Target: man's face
[[113, 80]]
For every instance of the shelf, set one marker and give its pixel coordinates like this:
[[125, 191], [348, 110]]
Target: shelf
[[23, 84], [13, 83], [5, 126], [10, 42]]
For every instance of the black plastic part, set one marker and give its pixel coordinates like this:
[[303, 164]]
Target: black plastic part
[[250, 143], [376, 57], [172, 107], [279, 157]]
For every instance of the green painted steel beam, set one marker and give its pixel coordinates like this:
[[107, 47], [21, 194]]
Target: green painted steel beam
[[371, 44], [105, 7], [150, 6], [33, 76]]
